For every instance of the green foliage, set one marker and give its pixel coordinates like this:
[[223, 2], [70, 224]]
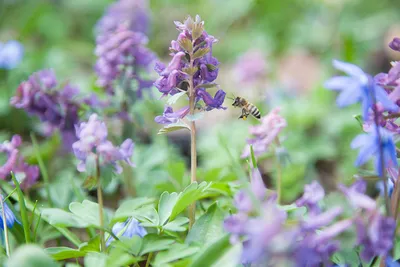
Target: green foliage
[[30, 256]]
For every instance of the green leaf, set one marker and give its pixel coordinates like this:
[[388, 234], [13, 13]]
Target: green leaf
[[195, 117], [133, 207], [253, 157], [118, 258], [212, 253], [59, 217], [62, 253], [30, 256], [186, 44], [177, 225], [208, 228], [176, 252], [149, 218], [197, 30], [201, 52], [153, 243], [95, 260], [190, 71], [211, 67], [230, 258], [88, 211], [173, 98], [132, 245], [165, 206], [173, 127], [191, 193]]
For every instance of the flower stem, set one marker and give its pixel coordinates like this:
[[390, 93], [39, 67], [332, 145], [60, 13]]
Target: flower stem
[[100, 200], [149, 259], [193, 152], [279, 173], [3, 215]]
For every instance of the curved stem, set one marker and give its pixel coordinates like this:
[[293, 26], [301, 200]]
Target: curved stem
[[100, 200], [149, 259]]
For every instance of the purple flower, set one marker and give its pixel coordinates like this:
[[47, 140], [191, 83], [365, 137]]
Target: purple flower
[[131, 227], [122, 55], [265, 133], [313, 193], [9, 216], [92, 143], [395, 44], [11, 54], [370, 145], [169, 116], [375, 234], [26, 174], [202, 69], [356, 196], [357, 87], [322, 219], [40, 97], [132, 13]]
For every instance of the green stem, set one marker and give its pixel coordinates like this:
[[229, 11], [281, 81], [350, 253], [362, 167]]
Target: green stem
[[24, 214], [43, 169], [101, 205], [193, 151], [149, 259], [5, 226]]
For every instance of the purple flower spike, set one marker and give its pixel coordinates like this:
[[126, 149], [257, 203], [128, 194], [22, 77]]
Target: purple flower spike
[[93, 142], [395, 44], [370, 146], [313, 193], [169, 116], [358, 87]]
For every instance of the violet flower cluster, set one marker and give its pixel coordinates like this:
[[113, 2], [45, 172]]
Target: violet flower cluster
[[42, 96], [377, 100], [122, 55], [265, 133], [272, 236], [192, 69], [93, 146], [26, 174]]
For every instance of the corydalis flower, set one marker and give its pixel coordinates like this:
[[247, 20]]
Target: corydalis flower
[[191, 60], [93, 144], [370, 145], [26, 174], [131, 227], [39, 96], [313, 193], [11, 54], [121, 48], [169, 116], [265, 133], [395, 44], [358, 87], [9, 216]]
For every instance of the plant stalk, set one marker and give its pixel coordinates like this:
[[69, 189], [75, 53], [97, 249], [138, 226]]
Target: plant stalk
[[101, 205], [193, 151], [3, 215]]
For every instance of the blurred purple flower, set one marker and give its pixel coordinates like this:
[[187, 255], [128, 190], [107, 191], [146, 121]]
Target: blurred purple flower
[[317, 221], [10, 217], [11, 54], [26, 174], [251, 67], [357, 88], [131, 227], [265, 133], [39, 96], [395, 44], [169, 116], [92, 142], [132, 13], [313, 193], [370, 144], [356, 196], [203, 67], [375, 234]]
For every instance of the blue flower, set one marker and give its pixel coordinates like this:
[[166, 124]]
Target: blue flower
[[390, 185], [369, 146], [357, 87], [10, 217], [128, 229], [11, 54]]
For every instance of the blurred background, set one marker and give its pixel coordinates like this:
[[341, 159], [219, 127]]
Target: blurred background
[[274, 53]]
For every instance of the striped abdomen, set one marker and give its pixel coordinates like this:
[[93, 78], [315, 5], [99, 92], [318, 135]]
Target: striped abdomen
[[253, 110]]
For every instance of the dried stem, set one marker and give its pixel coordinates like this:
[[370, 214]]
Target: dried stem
[[100, 200], [3, 215], [193, 152]]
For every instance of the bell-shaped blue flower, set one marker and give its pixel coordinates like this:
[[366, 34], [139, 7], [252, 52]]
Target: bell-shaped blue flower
[[128, 229], [10, 217]]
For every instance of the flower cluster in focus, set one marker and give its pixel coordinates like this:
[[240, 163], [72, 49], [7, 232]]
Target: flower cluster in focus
[[93, 146], [26, 174]]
